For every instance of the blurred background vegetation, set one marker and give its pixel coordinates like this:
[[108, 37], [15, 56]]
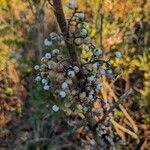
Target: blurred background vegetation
[[113, 25]]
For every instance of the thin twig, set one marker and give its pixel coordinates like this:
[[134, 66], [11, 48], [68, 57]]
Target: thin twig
[[124, 96], [32, 10], [49, 1], [101, 30]]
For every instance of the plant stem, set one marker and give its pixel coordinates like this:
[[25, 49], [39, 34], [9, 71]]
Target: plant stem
[[60, 16]]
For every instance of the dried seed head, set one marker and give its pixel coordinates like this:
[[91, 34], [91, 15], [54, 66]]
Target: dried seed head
[[59, 78], [78, 41], [87, 40], [53, 35], [43, 67], [82, 95], [69, 82], [102, 72], [44, 60], [76, 69], [55, 52], [56, 93], [73, 23], [73, 92], [79, 107], [51, 74], [60, 57], [51, 64], [59, 67]]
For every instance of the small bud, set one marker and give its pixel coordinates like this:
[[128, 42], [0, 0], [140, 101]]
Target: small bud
[[84, 24], [62, 43], [118, 70], [69, 81], [71, 4], [45, 81], [81, 15], [38, 78], [78, 41], [44, 60], [87, 40], [79, 107], [51, 64], [95, 66], [82, 95], [109, 72], [62, 94], [74, 18], [98, 86], [48, 55], [36, 67], [76, 69], [46, 87], [98, 52], [118, 54], [51, 74], [55, 52], [55, 108], [102, 72], [64, 85], [90, 97], [47, 42], [53, 35], [60, 78], [91, 78], [60, 57], [83, 32], [43, 67], [73, 23], [86, 48], [71, 73], [74, 92]]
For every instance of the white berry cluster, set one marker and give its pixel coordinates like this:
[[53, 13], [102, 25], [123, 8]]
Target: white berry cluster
[[61, 78]]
